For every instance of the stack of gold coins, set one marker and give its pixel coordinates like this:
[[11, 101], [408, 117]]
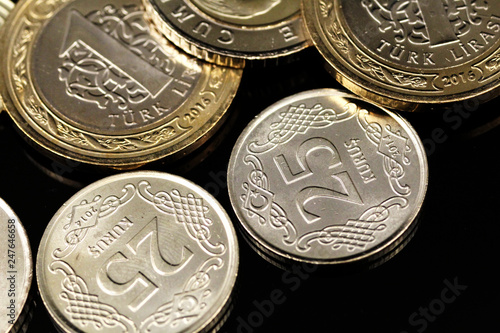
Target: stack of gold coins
[[16, 272], [138, 252]]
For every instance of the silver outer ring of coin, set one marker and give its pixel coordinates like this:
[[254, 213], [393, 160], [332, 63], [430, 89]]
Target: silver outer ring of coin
[[225, 40], [16, 251], [286, 234], [111, 195]]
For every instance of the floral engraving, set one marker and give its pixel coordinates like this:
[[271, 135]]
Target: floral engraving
[[188, 304], [85, 216], [395, 149], [188, 210], [85, 308], [355, 234], [298, 119]]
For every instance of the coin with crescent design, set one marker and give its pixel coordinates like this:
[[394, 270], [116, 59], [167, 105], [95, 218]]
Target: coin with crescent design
[[326, 177], [228, 31], [402, 53], [89, 81], [141, 251], [16, 271]]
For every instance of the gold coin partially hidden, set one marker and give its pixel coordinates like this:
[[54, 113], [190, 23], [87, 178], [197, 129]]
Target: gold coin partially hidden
[[401, 53]]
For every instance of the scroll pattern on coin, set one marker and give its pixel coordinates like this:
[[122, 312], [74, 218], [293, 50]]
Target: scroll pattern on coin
[[85, 308]]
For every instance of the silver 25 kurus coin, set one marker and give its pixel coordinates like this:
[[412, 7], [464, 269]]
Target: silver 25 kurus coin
[[138, 252], [16, 270], [325, 177]]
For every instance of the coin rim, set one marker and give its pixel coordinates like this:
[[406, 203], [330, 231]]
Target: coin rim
[[216, 54]]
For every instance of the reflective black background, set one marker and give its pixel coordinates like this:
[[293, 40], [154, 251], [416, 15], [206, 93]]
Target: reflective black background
[[444, 280]]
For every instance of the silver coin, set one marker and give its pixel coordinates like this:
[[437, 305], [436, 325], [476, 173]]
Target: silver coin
[[5, 8], [138, 252], [325, 177], [16, 270]]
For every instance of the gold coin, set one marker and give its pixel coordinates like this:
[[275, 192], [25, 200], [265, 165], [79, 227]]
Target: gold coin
[[226, 32], [401, 53], [90, 82]]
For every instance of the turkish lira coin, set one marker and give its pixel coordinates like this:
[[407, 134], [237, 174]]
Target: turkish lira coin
[[89, 81], [326, 177], [138, 252], [404, 53]]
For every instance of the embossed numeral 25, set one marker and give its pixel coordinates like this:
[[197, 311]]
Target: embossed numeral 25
[[318, 163], [154, 251]]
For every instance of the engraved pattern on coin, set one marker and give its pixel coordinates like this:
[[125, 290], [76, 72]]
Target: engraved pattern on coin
[[89, 74], [157, 256], [86, 216], [188, 304], [367, 65], [338, 185], [408, 51], [85, 308], [258, 201], [297, 120]]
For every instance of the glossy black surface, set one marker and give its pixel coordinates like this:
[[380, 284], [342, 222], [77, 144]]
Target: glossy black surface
[[444, 280]]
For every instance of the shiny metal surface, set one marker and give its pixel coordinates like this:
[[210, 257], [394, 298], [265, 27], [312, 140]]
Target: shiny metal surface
[[137, 252], [401, 53], [325, 177], [16, 270], [95, 85], [5, 8], [226, 32]]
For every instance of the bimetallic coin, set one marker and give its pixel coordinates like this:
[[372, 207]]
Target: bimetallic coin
[[325, 177], [228, 31], [16, 270], [399, 53], [89, 81], [138, 252]]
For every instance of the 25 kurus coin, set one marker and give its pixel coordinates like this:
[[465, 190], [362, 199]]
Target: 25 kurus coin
[[400, 53], [227, 31], [16, 270], [89, 81], [138, 252], [325, 177]]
